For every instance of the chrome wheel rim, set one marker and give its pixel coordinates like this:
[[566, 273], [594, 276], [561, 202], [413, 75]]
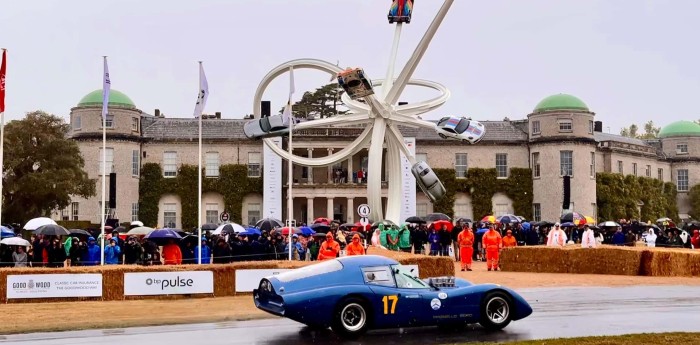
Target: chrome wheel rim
[[353, 317], [497, 310]]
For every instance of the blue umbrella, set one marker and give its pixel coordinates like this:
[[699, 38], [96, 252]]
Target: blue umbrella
[[160, 236], [482, 231], [306, 231], [508, 219], [6, 232], [568, 224], [250, 232], [526, 226]]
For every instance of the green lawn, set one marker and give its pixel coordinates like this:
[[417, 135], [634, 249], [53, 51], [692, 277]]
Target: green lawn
[[633, 339]]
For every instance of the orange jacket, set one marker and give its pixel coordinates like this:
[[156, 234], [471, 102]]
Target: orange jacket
[[355, 248], [492, 240], [329, 250], [465, 238], [509, 241], [172, 255]]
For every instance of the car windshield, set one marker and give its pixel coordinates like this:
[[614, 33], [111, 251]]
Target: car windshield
[[406, 279], [462, 126], [310, 271]]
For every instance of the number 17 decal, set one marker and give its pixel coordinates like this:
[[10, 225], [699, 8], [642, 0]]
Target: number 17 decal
[[394, 299]]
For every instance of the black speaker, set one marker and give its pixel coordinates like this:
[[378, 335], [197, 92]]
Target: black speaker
[[567, 192], [113, 222], [265, 109], [113, 190]]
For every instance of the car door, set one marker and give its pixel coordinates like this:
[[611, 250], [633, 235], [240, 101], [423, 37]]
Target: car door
[[392, 306]]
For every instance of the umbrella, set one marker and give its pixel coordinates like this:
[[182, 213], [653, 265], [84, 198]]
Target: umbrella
[[489, 219], [353, 233], [349, 226], [121, 230], [79, 233], [464, 220], [161, 236], [360, 226], [415, 220], [568, 225], [285, 231], [136, 223], [387, 224], [306, 231], [52, 230], [608, 224], [482, 231], [590, 220], [437, 216], [322, 220], [228, 228], [250, 232], [319, 235], [37, 222], [140, 231], [15, 241], [526, 226], [664, 220], [209, 226], [572, 217], [268, 224], [438, 224], [508, 219], [320, 227], [6, 232]]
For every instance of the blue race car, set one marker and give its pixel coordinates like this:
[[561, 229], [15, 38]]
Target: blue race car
[[356, 293]]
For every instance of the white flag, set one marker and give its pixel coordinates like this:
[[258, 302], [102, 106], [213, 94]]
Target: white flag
[[203, 93], [287, 115], [106, 86]]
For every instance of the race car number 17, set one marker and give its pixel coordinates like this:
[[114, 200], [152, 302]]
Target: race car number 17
[[394, 299]]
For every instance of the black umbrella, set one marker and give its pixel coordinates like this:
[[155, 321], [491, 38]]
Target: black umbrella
[[52, 230], [121, 230], [79, 233], [268, 224], [209, 226], [415, 220], [319, 235], [320, 227], [353, 233], [348, 226], [387, 224], [437, 216], [463, 220], [163, 236]]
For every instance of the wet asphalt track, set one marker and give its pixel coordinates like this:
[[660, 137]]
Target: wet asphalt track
[[558, 312]]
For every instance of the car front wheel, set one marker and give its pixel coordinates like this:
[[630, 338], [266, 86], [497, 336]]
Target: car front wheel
[[351, 318], [442, 136], [496, 311]]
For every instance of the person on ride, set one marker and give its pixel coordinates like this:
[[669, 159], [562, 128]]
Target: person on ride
[[329, 249], [492, 242]]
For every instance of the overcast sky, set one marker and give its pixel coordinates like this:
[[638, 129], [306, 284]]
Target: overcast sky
[[629, 60]]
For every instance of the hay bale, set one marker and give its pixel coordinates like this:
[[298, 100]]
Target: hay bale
[[428, 266], [605, 260], [535, 259], [672, 262]]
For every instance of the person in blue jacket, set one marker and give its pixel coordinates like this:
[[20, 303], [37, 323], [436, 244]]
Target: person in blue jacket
[[92, 254], [619, 237], [206, 252], [112, 252]]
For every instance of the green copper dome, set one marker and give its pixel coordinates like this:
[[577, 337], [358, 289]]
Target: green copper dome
[[680, 129], [560, 102], [116, 98]]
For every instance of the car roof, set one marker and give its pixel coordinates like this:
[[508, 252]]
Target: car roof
[[365, 260]]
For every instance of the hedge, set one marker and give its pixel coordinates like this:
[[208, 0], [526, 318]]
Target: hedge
[[618, 197], [233, 183]]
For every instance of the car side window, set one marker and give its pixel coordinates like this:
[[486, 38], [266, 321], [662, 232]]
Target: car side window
[[380, 275]]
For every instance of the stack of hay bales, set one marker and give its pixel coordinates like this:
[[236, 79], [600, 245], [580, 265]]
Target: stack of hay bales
[[605, 260], [428, 266], [535, 259]]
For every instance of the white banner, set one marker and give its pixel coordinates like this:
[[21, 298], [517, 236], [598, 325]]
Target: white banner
[[408, 182], [247, 280], [272, 182], [168, 283], [54, 285]]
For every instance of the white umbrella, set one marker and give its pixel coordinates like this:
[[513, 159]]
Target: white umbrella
[[236, 228], [608, 224], [140, 231], [37, 222], [137, 223], [15, 241]]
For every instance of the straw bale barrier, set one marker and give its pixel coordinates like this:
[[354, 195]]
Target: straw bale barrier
[[614, 260], [224, 275]]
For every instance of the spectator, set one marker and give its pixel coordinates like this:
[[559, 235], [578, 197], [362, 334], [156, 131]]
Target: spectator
[[19, 257], [405, 239], [222, 252], [91, 256], [695, 240], [57, 255], [172, 254], [465, 240], [133, 251], [112, 252], [630, 238], [75, 254], [383, 236], [151, 255], [297, 249], [355, 248], [588, 238], [492, 243], [619, 237], [434, 240], [392, 238], [329, 249], [509, 240], [445, 241], [556, 237], [203, 251]]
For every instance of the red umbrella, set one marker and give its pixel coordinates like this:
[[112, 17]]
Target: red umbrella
[[322, 220], [285, 231], [439, 223], [366, 228]]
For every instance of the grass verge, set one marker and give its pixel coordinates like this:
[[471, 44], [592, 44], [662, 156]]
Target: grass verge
[[631, 339]]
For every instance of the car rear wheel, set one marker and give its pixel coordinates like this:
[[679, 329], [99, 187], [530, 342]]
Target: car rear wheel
[[442, 136], [351, 318], [496, 311]]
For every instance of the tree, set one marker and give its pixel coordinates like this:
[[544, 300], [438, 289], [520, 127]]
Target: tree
[[650, 131], [694, 196], [323, 102], [630, 131], [43, 168]]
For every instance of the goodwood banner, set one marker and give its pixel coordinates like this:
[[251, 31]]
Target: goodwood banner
[[168, 283], [54, 285]]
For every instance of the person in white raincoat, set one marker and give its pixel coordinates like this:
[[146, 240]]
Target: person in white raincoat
[[556, 237], [651, 238], [588, 239]]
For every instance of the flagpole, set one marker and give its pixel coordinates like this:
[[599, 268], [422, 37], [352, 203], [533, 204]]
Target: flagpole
[[199, 195], [290, 201], [105, 107], [2, 126]]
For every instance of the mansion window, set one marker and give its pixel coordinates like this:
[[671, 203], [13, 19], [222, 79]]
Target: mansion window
[[682, 180], [648, 171], [660, 173], [254, 212], [254, 161], [421, 209], [591, 127], [135, 163], [537, 212], [592, 166], [634, 169], [109, 161], [620, 169], [566, 163], [212, 164], [536, 127], [501, 165], [134, 211], [682, 149], [535, 164], [212, 214], [461, 165], [170, 215], [75, 210], [135, 124], [566, 126], [109, 122], [76, 123], [169, 164]]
